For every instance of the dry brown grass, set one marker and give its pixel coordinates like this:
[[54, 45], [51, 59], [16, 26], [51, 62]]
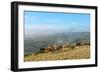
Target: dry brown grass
[[80, 52]]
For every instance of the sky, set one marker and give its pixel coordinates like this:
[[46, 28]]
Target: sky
[[55, 22]]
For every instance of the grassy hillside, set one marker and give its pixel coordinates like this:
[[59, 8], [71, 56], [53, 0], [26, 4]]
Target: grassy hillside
[[79, 52]]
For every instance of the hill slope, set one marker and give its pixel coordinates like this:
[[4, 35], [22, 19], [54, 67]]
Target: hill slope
[[82, 52]]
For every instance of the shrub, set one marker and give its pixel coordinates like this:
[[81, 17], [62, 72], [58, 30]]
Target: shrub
[[26, 55], [71, 46]]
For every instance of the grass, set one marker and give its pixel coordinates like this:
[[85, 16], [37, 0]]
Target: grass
[[79, 52]]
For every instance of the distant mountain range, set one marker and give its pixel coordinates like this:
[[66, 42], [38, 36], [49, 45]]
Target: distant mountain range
[[33, 44]]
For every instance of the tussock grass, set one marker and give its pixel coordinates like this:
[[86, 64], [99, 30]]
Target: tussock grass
[[79, 52]]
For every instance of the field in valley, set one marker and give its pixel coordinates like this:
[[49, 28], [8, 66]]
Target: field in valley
[[79, 52]]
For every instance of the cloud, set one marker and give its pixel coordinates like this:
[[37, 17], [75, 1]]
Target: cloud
[[52, 20], [37, 30], [80, 28], [44, 29], [74, 23], [30, 17]]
